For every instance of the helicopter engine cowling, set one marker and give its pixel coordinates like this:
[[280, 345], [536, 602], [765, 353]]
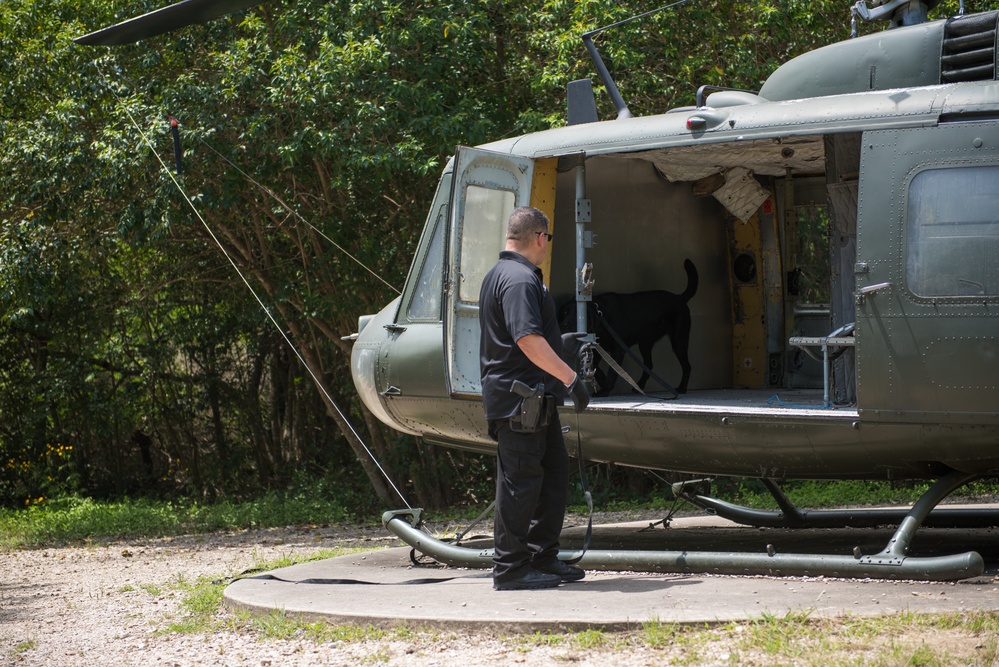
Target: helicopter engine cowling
[[927, 54]]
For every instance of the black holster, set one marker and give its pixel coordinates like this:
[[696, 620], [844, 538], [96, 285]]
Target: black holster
[[535, 408]]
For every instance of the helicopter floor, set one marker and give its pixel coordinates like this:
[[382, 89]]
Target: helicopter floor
[[790, 402]]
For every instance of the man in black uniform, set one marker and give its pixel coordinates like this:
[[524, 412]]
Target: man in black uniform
[[523, 379]]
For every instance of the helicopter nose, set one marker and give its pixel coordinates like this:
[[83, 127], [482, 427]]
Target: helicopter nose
[[367, 357], [364, 364]]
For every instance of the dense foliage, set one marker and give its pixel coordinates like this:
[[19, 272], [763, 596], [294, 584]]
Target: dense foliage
[[133, 358]]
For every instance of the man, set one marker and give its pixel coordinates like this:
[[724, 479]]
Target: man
[[520, 336]]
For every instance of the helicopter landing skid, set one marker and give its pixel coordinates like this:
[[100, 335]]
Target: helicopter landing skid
[[789, 516], [891, 563]]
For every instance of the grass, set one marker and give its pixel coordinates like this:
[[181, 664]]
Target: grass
[[899, 639], [21, 647], [796, 639], [202, 601], [588, 639], [151, 589], [905, 639], [74, 519]]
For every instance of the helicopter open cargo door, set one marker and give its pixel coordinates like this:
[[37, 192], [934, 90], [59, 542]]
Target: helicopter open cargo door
[[487, 187], [927, 332]]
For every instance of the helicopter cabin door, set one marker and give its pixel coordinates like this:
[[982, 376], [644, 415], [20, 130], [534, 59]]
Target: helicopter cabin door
[[487, 187], [927, 273]]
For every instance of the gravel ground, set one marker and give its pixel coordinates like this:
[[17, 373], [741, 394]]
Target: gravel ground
[[112, 604]]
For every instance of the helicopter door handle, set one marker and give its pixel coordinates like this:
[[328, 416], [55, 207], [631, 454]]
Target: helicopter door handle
[[870, 290]]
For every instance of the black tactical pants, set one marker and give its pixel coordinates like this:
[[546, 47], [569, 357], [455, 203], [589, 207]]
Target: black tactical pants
[[532, 481]]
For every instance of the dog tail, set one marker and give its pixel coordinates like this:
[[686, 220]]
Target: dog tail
[[691, 281]]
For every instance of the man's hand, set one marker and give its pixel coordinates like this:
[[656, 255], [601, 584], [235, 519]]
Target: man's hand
[[571, 344], [579, 393]]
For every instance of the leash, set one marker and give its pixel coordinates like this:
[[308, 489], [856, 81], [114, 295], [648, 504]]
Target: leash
[[616, 367], [631, 355], [586, 495]]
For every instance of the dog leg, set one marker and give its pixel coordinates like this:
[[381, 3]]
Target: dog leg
[[645, 347], [685, 365], [680, 342]]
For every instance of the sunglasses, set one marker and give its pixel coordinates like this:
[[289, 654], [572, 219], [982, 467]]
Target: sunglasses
[[550, 237]]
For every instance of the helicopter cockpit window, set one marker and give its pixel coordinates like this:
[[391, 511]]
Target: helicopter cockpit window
[[426, 301], [483, 236], [953, 232]]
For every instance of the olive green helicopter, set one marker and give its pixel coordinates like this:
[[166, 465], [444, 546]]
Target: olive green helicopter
[[844, 225]]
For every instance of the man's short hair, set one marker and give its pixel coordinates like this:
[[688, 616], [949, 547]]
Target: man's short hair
[[524, 222]]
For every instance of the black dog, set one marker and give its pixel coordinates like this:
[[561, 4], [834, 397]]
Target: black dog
[[641, 318]]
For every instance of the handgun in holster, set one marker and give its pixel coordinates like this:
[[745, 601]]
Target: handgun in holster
[[532, 415]]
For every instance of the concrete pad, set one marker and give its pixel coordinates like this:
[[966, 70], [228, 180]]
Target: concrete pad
[[384, 589]]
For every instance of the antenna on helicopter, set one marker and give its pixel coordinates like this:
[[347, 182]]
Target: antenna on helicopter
[[605, 77]]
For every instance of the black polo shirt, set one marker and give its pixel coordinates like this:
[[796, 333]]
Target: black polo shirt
[[514, 303]]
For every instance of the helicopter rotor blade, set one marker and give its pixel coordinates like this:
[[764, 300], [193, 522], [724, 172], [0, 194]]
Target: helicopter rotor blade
[[178, 15]]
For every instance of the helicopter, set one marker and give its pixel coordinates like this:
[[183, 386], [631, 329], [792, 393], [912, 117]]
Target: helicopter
[[884, 148]]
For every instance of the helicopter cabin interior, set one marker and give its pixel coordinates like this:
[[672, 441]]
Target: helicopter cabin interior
[[769, 226], [770, 230]]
